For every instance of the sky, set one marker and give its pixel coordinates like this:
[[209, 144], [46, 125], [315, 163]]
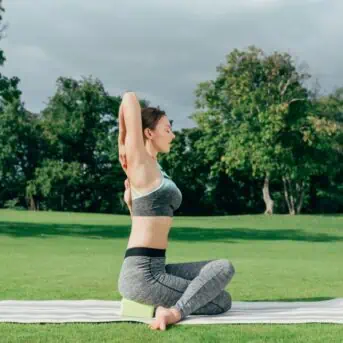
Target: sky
[[162, 50]]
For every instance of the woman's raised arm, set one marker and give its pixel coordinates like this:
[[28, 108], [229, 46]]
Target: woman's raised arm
[[134, 142]]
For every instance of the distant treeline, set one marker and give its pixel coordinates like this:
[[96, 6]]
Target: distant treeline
[[263, 143]]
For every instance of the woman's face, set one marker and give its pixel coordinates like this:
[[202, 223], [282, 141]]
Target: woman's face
[[163, 135]]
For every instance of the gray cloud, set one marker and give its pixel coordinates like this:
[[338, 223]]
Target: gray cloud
[[162, 50]]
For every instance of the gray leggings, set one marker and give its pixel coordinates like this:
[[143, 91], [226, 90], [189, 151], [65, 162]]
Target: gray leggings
[[191, 287]]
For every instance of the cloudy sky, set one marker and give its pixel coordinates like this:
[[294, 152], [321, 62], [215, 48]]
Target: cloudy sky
[[162, 49]]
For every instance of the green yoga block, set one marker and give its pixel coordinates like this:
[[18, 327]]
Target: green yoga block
[[132, 308]]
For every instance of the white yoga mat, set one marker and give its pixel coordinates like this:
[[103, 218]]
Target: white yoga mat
[[71, 311]]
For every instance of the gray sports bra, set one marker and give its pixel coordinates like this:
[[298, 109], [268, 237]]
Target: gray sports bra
[[162, 201]]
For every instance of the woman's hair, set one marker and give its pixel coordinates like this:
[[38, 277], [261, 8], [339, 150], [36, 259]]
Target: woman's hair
[[150, 118]]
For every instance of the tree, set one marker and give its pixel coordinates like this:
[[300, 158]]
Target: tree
[[326, 185], [256, 110], [15, 132], [78, 125], [19, 149], [51, 181]]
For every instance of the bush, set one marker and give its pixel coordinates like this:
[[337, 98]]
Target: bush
[[12, 205]]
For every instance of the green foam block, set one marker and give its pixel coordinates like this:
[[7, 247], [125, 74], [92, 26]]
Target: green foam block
[[132, 308]]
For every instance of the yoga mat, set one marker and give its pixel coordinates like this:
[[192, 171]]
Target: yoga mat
[[79, 311]]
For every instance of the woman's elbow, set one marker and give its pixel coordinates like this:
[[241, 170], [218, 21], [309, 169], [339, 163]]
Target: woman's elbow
[[130, 100], [130, 97]]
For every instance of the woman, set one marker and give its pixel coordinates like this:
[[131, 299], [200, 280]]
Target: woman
[[176, 290]]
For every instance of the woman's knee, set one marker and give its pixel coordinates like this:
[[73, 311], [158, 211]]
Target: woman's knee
[[227, 268]]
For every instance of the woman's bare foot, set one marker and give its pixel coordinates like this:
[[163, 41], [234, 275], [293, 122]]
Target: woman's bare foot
[[163, 317]]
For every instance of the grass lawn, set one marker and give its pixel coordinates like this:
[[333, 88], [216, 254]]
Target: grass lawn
[[52, 255]]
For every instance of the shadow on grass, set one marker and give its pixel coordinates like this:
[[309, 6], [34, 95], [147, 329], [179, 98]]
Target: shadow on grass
[[188, 234]]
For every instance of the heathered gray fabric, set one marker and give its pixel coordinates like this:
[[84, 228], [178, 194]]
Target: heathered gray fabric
[[192, 288], [162, 201]]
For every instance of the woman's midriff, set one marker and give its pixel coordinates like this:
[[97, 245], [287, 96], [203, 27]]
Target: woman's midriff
[[150, 232]]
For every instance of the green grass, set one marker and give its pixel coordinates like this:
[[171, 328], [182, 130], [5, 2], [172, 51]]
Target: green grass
[[51, 255]]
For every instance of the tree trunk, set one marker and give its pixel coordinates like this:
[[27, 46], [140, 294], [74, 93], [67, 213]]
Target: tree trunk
[[285, 192], [266, 196], [294, 199], [287, 196], [301, 192], [32, 206]]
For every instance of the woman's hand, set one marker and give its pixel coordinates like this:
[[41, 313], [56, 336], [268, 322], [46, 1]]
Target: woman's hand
[[122, 157], [127, 194]]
